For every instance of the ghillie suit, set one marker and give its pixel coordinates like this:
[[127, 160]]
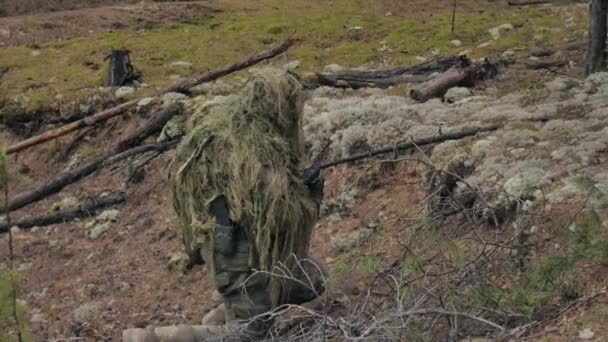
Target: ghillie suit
[[119, 71], [238, 190]]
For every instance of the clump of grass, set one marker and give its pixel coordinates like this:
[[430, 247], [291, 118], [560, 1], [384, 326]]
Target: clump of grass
[[370, 264], [7, 321]]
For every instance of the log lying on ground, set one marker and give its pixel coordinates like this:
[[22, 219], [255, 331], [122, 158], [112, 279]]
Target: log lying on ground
[[152, 126], [527, 2], [538, 65], [63, 216], [178, 87], [382, 78], [464, 74], [56, 184]]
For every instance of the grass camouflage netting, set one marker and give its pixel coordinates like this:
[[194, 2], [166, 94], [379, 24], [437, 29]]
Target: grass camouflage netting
[[249, 150]]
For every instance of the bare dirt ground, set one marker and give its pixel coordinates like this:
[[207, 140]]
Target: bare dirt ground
[[43, 27]]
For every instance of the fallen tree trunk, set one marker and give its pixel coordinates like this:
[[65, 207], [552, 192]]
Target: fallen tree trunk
[[537, 65], [463, 74], [413, 144], [67, 215], [152, 126], [55, 185], [180, 86], [382, 78], [527, 2]]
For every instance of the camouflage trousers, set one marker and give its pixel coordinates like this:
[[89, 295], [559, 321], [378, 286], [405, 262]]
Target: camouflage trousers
[[247, 294]]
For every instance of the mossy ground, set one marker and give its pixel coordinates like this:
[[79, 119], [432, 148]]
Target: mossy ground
[[67, 67]]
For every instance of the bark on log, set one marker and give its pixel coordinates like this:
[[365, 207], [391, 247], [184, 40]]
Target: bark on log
[[56, 184], [527, 2], [180, 86], [382, 78], [67, 215], [464, 74], [546, 64], [596, 54], [152, 126]]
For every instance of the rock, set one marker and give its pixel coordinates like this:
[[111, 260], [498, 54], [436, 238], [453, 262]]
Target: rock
[[86, 312], [99, 229], [181, 64], [216, 316], [65, 203], [526, 183], [435, 52], [143, 223], [112, 215], [332, 68], [178, 262], [24, 266], [172, 129], [15, 230], [355, 33], [124, 91], [456, 94], [35, 229], [171, 98], [586, 334], [292, 65], [507, 57], [464, 52], [558, 85], [35, 53], [145, 102], [420, 59], [483, 45], [496, 32], [455, 43]]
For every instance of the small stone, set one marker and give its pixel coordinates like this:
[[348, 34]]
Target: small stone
[[35, 53], [533, 59], [65, 203], [420, 59], [332, 68], [464, 52], [86, 312], [35, 229], [455, 43], [171, 98], [178, 262], [496, 31], [508, 57], [435, 52], [292, 65], [109, 215], [15, 230], [483, 45], [124, 91], [146, 101], [456, 94], [586, 334], [181, 64], [99, 230], [24, 266]]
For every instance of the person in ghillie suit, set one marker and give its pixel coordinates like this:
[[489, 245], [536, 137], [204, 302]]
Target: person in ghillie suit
[[246, 209]]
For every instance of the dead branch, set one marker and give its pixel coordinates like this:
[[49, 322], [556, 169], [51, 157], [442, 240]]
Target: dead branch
[[527, 2], [67, 215], [55, 185], [152, 126], [412, 144], [177, 87], [383, 78], [537, 65], [463, 74]]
